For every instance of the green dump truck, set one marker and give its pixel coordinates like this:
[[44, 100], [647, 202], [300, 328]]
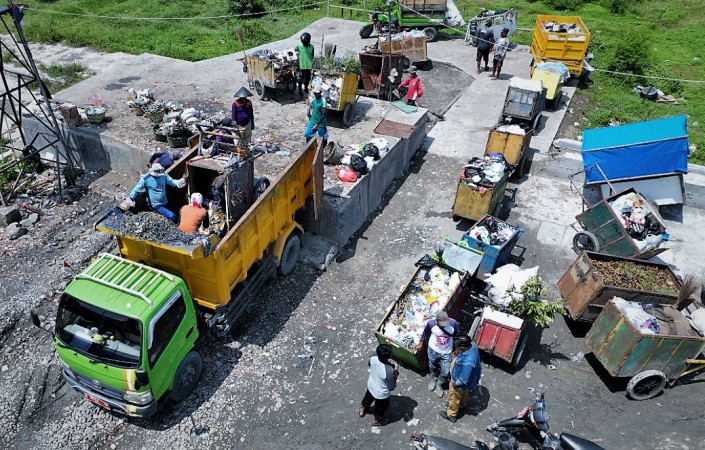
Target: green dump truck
[[127, 326]]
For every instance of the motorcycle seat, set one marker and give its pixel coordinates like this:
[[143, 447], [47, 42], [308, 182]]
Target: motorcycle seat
[[573, 442]]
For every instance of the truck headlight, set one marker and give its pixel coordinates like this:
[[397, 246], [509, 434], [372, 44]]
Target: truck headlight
[[139, 398]]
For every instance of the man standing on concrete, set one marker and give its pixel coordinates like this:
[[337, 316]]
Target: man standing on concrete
[[317, 123], [440, 333], [155, 183], [500, 51], [305, 52], [243, 115], [380, 384], [485, 41], [466, 371]]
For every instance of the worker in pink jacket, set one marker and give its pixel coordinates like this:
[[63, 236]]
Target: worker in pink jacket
[[415, 87]]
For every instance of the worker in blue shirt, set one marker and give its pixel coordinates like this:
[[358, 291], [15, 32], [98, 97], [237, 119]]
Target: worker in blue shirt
[[155, 183]]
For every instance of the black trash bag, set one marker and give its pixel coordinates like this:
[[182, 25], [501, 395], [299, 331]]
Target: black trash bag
[[358, 164], [427, 263], [371, 150]]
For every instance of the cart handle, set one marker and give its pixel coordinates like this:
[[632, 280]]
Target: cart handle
[[576, 190]]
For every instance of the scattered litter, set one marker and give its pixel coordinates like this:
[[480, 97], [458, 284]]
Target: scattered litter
[[375, 430], [283, 153], [330, 327], [579, 357], [528, 374], [568, 144], [516, 397], [412, 423], [552, 367]]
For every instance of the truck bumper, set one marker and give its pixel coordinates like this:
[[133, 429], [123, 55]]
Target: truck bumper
[[110, 403]]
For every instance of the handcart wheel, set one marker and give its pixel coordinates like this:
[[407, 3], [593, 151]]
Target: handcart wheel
[[537, 122], [347, 114], [646, 384], [521, 167], [519, 351], [431, 34], [557, 101], [405, 63], [290, 86], [585, 241], [260, 90], [261, 185]]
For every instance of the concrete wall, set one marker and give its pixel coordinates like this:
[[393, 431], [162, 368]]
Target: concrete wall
[[92, 149], [339, 218]]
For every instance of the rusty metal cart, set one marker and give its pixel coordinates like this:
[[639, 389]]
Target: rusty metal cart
[[264, 74], [500, 334], [524, 103], [511, 143], [347, 96], [651, 361]]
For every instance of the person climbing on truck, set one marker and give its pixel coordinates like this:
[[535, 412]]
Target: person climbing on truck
[[192, 215], [305, 52], [485, 41], [155, 183]]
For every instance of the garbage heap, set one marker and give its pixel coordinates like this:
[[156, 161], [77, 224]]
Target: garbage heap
[[485, 171], [357, 160], [285, 59], [429, 293], [639, 220], [330, 84], [492, 231]]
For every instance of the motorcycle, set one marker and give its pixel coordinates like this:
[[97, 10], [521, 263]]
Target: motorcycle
[[535, 419], [380, 24], [424, 442]]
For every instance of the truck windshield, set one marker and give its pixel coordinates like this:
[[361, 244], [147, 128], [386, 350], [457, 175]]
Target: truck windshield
[[100, 335]]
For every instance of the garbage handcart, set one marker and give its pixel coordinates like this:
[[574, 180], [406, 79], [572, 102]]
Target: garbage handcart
[[524, 103], [473, 201], [562, 39], [494, 253], [380, 74], [500, 334], [501, 20], [593, 279], [264, 74], [605, 229], [651, 360], [513, 142], [414, 49], [553, 76], [340, 92]]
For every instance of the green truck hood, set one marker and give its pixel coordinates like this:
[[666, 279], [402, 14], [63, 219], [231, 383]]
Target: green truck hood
[[115, 377]]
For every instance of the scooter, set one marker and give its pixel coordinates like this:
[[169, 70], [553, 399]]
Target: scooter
[[424, 442], [380, 24], [535, 419]]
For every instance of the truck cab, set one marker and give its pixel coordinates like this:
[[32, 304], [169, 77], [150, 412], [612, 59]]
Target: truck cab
[[125, 335]]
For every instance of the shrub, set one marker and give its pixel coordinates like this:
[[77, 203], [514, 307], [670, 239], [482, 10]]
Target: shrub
[[245, 7], [632, 54], [571, 5]]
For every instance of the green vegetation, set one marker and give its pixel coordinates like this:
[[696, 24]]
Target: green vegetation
[[652, 37], [58, 77], [533, 306]]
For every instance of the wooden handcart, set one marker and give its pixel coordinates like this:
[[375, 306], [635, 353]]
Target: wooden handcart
[[263, 75], [347, 96], [512, 143], [651, 361], [414, 50]]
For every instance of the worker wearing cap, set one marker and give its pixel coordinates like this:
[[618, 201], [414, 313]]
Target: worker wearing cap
[[318, 122], [243, 115], [415, 87], [155, 183], [193, 214], [439, 332]]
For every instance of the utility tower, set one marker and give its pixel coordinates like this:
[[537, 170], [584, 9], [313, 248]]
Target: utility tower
[[20, 78]]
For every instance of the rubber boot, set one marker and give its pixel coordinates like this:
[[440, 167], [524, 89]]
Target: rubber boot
[[432, 383]]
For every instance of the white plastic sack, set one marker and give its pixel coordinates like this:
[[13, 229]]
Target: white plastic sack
[[453, 16], [506, 283]]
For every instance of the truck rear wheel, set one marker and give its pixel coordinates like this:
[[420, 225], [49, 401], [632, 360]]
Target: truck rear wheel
[[431, 34], [187, 376], [290, 255]]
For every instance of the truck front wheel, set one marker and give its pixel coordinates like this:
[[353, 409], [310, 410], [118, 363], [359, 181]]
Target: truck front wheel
[[431, 34], [290, 255], [187, 376]]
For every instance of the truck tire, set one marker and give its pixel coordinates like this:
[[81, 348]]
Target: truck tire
[[366, 31], [290, 255], [646, 384], [431, 34], [187, 375]]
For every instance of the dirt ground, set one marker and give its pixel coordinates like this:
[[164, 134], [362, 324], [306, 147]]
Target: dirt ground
[[292, 375]]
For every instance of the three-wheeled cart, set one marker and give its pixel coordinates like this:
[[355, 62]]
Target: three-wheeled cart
[[562, 39], [346, 94], [524, 103], [413, 49], [375, 72], [473, 201], [590, 282], [605, 232], [513, 142], [650, 360], [264, 74]]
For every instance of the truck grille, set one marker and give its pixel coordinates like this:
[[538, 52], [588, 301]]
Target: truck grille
[[96, 386]]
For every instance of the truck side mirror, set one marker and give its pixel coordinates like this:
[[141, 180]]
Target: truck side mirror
[[141, 378], [35, 319]]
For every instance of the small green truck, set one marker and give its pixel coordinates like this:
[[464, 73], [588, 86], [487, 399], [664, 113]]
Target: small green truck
[[426, 15]]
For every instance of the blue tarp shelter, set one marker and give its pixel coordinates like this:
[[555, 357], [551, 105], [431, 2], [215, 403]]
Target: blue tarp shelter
[[642, 149]]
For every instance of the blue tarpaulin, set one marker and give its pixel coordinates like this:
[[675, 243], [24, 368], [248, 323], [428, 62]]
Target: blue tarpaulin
[[636, 150]]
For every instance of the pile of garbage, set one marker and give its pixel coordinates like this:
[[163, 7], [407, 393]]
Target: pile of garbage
[[634, 311], [402, 35], [504, 286], [513, 129], [428, 294], [492, 231], [639, 220], [330, 86], [556, 27], [486, 171], [153, 227], [359, 159], [281, 59]]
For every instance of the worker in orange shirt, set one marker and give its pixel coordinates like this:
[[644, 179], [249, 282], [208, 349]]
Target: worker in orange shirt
[[193, 214], [415, 87]]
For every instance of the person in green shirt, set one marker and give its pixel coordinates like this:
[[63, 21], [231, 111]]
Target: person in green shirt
[[305, 52], [317, 123]]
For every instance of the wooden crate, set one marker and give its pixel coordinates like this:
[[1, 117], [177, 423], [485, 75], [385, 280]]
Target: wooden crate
[[414, 48]]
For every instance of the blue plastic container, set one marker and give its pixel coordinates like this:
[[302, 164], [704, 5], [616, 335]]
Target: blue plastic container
[[493, 256]]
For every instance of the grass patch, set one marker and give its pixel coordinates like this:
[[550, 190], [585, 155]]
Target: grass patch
[[58, 77], [670, 32]]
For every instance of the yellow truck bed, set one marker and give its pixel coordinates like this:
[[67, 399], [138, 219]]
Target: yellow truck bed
[[261, 232], [568, 48]]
